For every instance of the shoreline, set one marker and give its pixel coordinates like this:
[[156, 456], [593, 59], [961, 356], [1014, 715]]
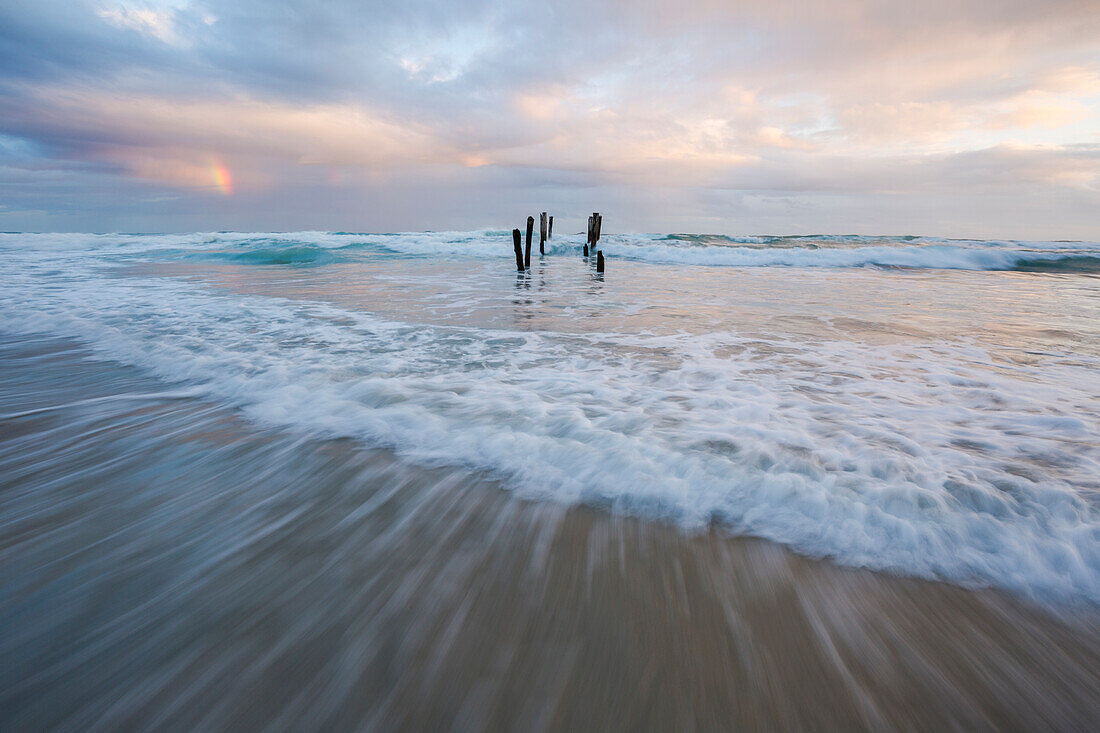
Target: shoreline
[[202, 571]]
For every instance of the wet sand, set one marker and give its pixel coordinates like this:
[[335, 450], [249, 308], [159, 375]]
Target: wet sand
[[169, 565]]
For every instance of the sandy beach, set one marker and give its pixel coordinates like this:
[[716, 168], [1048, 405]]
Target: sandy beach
[[170, 566]]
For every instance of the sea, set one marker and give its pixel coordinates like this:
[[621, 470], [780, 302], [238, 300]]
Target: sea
[[372, 481]]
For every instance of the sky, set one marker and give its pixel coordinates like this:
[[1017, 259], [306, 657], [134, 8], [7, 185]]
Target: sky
[[940, 117]]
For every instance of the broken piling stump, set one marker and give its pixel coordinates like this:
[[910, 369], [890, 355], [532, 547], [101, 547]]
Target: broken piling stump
[[550, 229], [599, 261], [542, 233], [527, 251], [519, 250]]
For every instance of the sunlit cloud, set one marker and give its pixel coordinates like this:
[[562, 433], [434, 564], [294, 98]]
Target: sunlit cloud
[[745, 107], [155, 19], [1039, 109]]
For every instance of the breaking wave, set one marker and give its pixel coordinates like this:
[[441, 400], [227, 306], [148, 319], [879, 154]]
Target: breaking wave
[[951, 466], [828, 251]]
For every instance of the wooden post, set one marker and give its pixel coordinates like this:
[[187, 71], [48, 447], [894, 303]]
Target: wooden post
[[599, 226], [542, 233], [586, 249], [599, 261], [518, 249], [550, 229], [527, 252], [591, 228]]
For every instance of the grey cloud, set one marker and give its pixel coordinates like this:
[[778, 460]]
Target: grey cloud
[[735, 109]]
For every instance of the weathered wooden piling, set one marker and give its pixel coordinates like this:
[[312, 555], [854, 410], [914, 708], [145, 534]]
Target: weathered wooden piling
[[586, 249], [519, 250], [527, 251], [542, 233], [599, 226], [591, 230], [550, 229], [599, 261]]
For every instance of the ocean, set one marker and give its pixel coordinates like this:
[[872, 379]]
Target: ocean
[[379, 480]]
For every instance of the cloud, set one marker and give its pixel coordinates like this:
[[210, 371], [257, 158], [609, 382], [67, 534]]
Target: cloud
[[778, 101], [1039, 109], [147, 19]]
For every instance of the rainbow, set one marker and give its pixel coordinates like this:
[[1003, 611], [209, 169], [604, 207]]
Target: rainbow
[[223, 179]]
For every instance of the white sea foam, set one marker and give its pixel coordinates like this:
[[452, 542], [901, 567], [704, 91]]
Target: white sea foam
[[932, 256], [922, 458], [764, 252], [818, 251]]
